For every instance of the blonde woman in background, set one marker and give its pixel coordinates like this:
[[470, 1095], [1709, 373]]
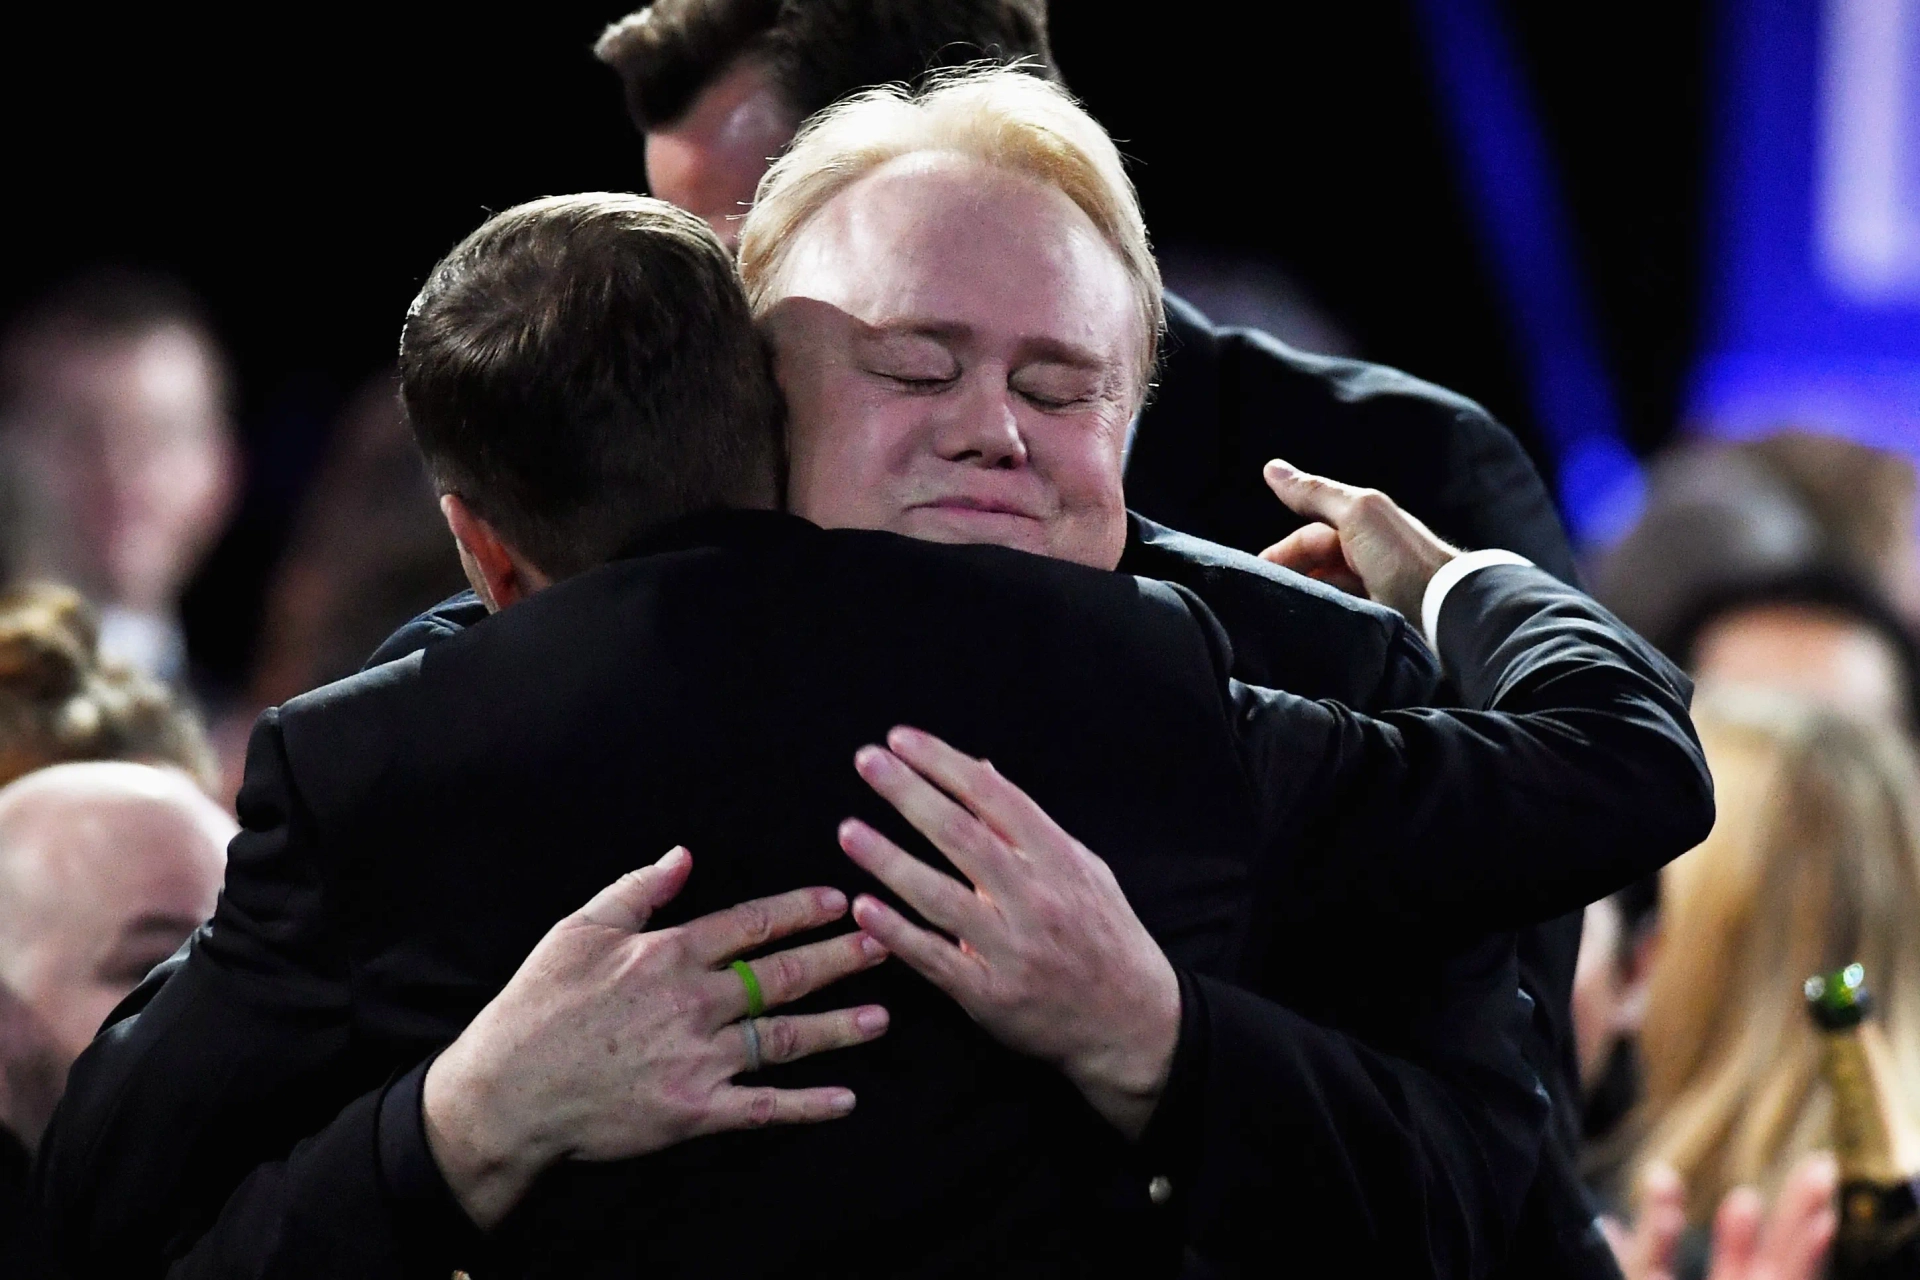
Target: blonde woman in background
[[1813, 863]]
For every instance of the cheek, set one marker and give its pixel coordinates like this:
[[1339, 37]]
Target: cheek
[[1081, 458], [848, 456], [66, 1001], [1081, 462], [80, 1016]]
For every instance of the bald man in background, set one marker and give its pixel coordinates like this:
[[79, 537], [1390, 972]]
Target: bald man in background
[[105, 869]]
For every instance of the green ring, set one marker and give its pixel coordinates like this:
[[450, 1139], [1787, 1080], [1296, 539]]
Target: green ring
[[756, 1002]]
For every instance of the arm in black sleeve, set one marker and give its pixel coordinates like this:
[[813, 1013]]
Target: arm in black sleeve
[[174, 1150], [1410, 1160], [1583, 774]]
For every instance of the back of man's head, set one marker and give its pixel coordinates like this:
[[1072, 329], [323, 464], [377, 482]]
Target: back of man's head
[[583, 369], [815, 51]]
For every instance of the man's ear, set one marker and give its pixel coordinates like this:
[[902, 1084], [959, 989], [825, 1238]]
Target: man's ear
[[499, 575]]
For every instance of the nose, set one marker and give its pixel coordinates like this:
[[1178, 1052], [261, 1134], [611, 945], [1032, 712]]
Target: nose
[[980, 428]]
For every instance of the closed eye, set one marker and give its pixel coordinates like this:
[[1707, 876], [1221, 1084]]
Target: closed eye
[[1053, 403], [916, 384]]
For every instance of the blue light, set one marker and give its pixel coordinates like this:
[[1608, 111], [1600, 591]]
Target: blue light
[[1514, 197]]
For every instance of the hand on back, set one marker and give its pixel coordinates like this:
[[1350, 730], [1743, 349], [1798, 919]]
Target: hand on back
[[1049, 956], [611, 1041]]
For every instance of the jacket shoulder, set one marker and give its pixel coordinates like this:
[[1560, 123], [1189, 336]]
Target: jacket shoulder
[[339, 739], [1253, 361], [448, 618], [1232, 398]]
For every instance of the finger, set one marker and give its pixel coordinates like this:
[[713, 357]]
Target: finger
[[1736, 1235], [724, 934], [1795, 1239], [787, 975], [928, 954], [972, 846], [1316, 551], [1311, 546], [631, 900], [802, 1036], [740, 1108], [1662, 1219], [1311, 496], [1007, 811], [937, 896]]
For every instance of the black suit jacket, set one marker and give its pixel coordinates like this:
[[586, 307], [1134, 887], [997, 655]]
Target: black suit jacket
[[410, 833], [1231, 398]]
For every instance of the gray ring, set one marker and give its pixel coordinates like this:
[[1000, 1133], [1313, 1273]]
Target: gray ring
[[753, 1043]]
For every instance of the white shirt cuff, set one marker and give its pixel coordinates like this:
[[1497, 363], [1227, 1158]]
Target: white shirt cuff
[[1448, 578]]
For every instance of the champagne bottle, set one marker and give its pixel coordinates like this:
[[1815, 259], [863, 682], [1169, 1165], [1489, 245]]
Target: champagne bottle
[[1875, 1139]]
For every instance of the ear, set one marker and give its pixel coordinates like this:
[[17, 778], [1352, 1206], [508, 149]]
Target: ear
[[500, 576]]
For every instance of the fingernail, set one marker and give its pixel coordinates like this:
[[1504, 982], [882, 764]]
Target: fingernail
[[841, 1102], [902, 734], [871, 1021], [865, 909], [674, 857], [831, 900], [868, 760], [872, 948]]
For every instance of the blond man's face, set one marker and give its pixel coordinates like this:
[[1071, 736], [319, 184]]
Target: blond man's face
[[959, 349]]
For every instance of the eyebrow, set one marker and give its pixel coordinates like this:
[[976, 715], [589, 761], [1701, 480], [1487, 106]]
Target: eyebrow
[[1050, 350]]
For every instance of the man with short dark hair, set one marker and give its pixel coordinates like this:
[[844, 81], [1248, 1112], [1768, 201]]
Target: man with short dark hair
[[719, 86], [571, 459]]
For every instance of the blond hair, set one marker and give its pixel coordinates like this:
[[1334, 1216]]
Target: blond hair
[[60, 702], [989, 112], [1814, 863]]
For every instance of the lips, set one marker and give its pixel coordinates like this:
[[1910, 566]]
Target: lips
[[978, 506]]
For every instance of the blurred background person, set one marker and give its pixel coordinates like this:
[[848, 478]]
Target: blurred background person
[[1819, 632], [1813, 864], [60, 700], [105, 869], [369, 550], [120, 452], [1719, 517], [1861, 499]]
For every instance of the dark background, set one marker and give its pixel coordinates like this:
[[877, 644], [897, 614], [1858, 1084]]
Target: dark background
[[304, 174]]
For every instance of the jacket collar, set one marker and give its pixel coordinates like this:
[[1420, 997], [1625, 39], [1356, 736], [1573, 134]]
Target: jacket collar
[[719, 529]]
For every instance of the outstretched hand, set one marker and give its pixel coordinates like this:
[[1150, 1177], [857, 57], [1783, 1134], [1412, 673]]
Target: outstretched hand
[[1361, 540], [611, 1041], [1049, 957]]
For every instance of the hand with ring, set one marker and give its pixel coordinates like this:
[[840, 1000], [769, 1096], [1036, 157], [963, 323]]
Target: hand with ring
[[611, 1041], [1047, 955]]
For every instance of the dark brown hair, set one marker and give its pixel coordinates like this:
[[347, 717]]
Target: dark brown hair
[[816, 51], [582, 369]]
